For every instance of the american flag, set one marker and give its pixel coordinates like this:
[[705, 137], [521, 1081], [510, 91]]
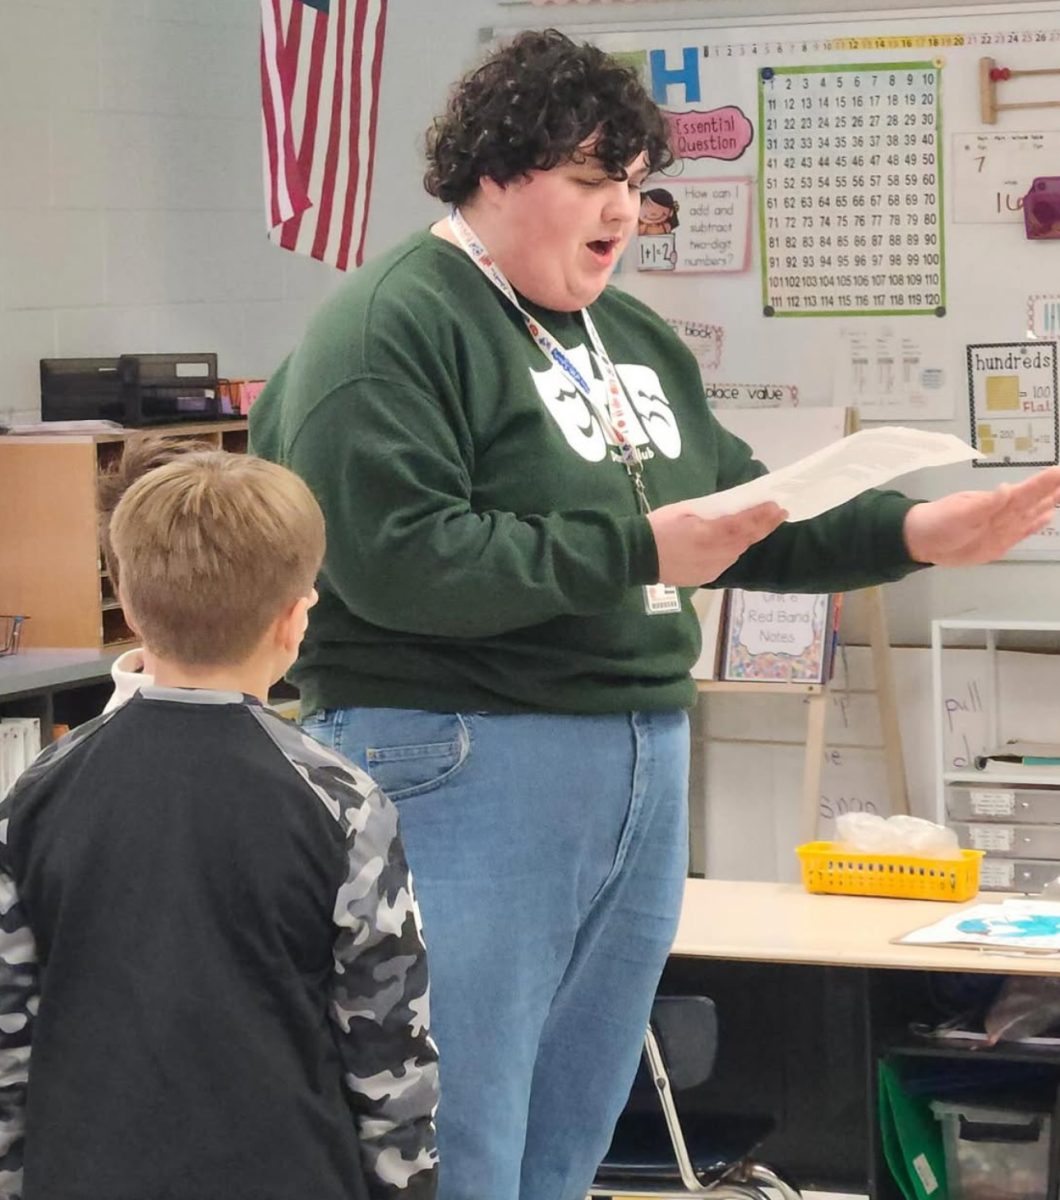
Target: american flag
[[321, 62]]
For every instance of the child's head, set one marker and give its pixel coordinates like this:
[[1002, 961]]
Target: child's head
[[141, 453], [217, 555]]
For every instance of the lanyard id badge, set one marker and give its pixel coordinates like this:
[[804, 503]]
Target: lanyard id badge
[[659, 598]]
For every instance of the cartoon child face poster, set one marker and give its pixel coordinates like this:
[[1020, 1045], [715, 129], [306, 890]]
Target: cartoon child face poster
[[658, 212], [695, 226]]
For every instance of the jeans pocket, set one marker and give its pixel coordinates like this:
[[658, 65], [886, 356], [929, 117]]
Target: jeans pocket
[[411, 768], [321, 727]]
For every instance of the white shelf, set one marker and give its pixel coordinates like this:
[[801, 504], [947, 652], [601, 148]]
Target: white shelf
[[1021, 617], [1012, 624], [992, 780]]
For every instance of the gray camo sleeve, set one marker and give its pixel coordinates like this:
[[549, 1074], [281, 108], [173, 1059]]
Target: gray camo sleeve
[[19, 997], [380, 1005], [19, 973], [378, 1001]]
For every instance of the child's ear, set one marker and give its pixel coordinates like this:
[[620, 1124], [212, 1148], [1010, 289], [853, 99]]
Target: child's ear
[[291, 625]]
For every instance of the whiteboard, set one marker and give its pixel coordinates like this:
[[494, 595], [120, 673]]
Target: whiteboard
[[782, 436], [744, 822], [909, 369]]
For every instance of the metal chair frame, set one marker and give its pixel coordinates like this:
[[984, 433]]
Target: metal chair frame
[[746, 1180]]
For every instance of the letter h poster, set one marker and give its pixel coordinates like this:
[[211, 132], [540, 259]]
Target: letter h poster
[[778, 638]]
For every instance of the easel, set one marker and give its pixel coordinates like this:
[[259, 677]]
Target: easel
[[817, 697], [990, 75]]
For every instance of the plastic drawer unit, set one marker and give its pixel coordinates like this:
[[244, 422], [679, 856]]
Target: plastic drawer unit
[[994, 1153], [999, 802], [1004, 840], [1028, 875]]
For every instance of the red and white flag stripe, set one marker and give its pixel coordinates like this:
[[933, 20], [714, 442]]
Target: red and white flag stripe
[[321, 62]]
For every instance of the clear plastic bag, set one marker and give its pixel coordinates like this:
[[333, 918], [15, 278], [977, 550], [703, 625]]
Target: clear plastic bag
[[1026, 1006], [867, 833], [871, 834]]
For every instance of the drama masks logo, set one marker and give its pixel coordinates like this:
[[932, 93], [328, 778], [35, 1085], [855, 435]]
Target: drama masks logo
[[651, 424]]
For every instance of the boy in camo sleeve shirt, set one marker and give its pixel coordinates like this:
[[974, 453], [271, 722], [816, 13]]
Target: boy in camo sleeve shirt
[[212, 977]]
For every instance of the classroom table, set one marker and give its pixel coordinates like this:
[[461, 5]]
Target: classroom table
[[65, 686], [783, 923], [810, 991]]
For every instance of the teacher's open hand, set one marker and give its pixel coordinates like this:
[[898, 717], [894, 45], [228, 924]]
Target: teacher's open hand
[[966, 528]]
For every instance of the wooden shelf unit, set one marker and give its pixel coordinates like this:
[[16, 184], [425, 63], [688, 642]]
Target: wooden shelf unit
[[53, 571]]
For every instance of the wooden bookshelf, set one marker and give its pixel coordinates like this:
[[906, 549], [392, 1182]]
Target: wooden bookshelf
[[53, 570]]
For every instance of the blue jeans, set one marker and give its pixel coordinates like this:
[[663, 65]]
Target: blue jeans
[[549, 855]]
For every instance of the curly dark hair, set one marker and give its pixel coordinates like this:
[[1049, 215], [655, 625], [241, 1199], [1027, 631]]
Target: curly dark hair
[[531, 105]]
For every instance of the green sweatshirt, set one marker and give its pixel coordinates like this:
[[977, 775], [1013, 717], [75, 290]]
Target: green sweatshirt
[[485, 550]]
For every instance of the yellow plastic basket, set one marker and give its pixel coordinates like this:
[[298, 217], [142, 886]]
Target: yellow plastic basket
[[826, 867]]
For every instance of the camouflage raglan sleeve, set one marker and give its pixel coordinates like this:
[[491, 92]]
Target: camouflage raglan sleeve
[[19, 997], [379, 1002]]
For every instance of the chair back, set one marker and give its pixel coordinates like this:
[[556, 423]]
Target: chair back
[[686, 1029]]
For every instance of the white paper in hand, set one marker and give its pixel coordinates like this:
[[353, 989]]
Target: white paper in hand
[[840, 471]]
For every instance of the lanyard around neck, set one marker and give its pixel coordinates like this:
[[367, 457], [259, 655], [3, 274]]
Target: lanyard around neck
[[615, 417]]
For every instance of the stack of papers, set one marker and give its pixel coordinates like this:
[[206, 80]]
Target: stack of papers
[[840, 471], [1030, 755], [1011, 927]]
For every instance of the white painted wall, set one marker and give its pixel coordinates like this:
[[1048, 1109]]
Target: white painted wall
[[130, 190], [130, 193]]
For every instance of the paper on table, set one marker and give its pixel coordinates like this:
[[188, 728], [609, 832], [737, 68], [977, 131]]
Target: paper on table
[[1016, 926], [840, 471]]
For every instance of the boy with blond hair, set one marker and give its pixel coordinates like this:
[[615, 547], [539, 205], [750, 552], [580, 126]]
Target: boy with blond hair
[[211, 968]]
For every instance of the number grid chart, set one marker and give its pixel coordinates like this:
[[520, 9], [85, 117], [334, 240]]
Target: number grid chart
[[850, 190]]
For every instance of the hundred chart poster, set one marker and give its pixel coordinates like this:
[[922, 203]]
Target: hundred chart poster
[[851, 190]]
